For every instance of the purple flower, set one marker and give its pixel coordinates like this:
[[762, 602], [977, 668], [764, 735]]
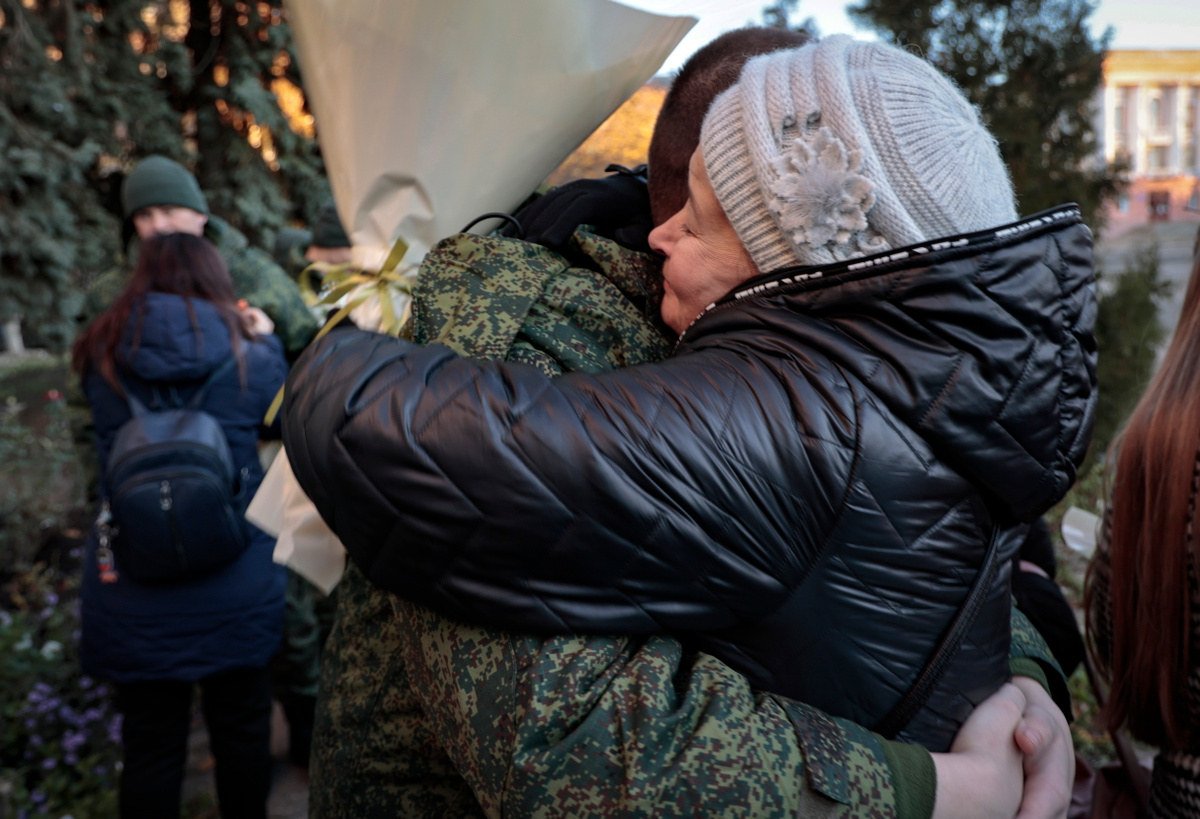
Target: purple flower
[[51, 599], [35, 740], [114, 729], [71, 759], [49, 762], [38, 796], [85, 682]]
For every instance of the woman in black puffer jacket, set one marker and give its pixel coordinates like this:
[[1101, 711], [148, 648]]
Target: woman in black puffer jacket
[[880, 372]]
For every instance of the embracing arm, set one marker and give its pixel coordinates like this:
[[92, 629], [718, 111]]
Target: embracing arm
[[628, 726], [493, 492]]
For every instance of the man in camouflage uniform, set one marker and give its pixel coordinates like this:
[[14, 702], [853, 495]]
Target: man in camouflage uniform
[[421, 716]]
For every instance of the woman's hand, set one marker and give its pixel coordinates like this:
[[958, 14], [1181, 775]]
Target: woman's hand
[[982, 776], [256, 320], [1013, 757], [1045, 739]]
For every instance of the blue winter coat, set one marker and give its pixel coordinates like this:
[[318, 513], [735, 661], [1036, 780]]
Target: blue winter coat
[[227, 620]]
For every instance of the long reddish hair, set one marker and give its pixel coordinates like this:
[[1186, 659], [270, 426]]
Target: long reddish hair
[[1149, 653], [179, 263]]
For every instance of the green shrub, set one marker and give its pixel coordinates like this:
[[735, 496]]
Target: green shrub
[[1128, 335], [42, 489]]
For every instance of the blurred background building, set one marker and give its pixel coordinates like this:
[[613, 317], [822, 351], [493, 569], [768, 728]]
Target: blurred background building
[[1149, 114]]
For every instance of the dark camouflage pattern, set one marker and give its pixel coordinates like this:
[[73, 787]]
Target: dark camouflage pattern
[[374, 753], [499, 298], [596, 726], [565, 726], [256, 278]]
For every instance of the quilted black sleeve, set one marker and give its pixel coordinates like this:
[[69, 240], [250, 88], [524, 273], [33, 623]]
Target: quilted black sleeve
[[674, 496]]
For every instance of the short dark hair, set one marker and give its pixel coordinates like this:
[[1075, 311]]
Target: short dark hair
[[710, 71]]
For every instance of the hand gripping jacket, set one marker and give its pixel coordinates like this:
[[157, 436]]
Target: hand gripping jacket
[[805, 489]]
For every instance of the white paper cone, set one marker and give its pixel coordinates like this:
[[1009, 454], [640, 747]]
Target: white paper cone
[[432, 112]]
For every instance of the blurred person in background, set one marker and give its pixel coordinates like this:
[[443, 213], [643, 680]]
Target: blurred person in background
[[1143, 597], [171, 335]]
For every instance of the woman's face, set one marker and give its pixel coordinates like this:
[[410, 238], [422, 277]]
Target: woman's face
[[705, 258]]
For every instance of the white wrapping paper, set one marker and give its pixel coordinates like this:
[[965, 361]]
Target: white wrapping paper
[[432, 112]]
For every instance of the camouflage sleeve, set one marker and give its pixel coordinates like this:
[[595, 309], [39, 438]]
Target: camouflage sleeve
[[605, 726], [262, 282], [1029, 655]]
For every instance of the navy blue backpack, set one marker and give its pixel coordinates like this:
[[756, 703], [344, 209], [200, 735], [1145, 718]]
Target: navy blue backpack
[[174, 505]]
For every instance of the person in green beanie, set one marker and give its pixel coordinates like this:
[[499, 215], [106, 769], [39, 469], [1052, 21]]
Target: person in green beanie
[[161, 196]]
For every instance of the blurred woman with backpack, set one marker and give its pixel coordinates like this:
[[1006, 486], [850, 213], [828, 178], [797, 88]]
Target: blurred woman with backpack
[[1142, 590], [177, 338]]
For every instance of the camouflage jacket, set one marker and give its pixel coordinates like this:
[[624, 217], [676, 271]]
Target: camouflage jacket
[[422, 716], [256, 278]]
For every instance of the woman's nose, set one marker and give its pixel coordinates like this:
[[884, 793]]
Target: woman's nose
[[662, 237], [161, 222]]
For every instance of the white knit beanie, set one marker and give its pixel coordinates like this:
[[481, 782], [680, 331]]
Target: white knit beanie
[[844, 148]]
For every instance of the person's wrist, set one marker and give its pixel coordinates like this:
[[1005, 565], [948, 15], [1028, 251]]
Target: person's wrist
[[914, 778], [967, 784], [951, 771]]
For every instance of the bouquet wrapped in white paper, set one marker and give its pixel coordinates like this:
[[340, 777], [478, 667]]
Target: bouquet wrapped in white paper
[[429, 113]]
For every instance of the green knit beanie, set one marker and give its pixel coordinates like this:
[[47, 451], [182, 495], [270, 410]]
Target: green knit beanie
[[327, 231], [160, 181]]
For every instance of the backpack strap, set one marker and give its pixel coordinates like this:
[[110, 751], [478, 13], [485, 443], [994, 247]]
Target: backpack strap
[[939, 662], [217, 372]]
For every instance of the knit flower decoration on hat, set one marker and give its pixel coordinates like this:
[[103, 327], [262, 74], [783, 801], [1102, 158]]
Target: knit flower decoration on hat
[[821, 198]]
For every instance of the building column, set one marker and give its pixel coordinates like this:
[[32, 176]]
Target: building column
[[1140, 116], [1108, 125], [1179, 139]]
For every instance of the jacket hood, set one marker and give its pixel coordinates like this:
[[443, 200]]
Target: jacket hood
[[958, 338], [174, 346]]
